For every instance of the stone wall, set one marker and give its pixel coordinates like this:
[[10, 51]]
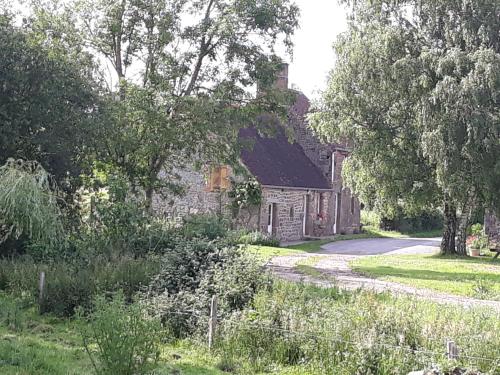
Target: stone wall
[[289, 215], [196, 200], [321, 155]]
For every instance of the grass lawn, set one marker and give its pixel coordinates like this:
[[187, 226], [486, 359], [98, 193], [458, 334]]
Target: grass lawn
[[472, 277]]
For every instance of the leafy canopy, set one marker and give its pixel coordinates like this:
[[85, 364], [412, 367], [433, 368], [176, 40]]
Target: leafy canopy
[[416, 87]]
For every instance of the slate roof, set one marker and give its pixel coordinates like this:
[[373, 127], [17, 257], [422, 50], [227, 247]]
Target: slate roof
[[274, 161]]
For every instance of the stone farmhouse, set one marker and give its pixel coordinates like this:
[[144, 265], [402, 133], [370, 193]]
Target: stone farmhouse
[[301, 183]]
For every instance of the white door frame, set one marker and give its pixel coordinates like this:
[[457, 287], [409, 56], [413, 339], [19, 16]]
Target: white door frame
[[305, 216], [336, 213], [270, 214]]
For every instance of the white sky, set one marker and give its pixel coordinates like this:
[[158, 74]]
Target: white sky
[[320, 23]]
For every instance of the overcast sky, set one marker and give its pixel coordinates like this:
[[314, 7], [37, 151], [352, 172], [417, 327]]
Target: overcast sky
[[320, 23]]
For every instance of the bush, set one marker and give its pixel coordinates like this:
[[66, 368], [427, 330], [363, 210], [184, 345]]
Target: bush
[[370, 218], [423, 222], [254, 238], [71, 284], [28, 205], [120, 338], [192, 273], [476, 229], [205, 226]]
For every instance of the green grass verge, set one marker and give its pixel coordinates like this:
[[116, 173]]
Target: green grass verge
[[307, 267], [31, 344], [472, 277]]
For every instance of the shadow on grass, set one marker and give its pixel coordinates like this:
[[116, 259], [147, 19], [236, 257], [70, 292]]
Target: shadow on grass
[[484, 260], [383, 271]]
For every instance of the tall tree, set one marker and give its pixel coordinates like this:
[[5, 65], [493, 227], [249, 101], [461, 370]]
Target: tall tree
[[417, 88], [182, 74], [48, 99]]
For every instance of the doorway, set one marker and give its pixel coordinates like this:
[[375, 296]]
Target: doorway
[[307, 225], [272, 210]]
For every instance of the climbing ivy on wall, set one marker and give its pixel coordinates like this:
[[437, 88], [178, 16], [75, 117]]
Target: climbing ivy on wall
[[245, 194]]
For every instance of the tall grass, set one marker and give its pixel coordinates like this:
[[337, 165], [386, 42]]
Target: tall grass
[[326, 331]]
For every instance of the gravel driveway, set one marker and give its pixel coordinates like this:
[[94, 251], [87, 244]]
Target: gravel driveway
[[383, 246], [333, 264]]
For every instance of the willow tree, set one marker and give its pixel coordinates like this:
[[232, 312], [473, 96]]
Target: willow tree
[[181, 80], [28, 204], [416, 87]]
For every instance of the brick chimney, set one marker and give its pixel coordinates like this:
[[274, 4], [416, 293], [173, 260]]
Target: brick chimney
[[280, 81], [282, 78]]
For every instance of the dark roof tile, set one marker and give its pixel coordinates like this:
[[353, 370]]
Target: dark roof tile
[[274, 161]]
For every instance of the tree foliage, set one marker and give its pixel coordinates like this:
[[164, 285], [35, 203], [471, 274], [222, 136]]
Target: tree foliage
[[182, 71], [417, 88], [28, 205], [48, 98]]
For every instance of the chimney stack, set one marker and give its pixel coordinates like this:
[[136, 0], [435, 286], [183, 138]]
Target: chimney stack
[[282, 78]]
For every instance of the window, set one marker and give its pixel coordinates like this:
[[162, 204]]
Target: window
[[218, 178], [353, 202], [291, 212], [320, 205], [323, 155]]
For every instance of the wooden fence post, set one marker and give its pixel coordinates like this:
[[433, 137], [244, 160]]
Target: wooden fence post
[[41, 290], [451, 350], [212, 323]]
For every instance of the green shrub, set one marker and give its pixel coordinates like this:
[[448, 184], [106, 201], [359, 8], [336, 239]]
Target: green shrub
[[205, 226], [28, 204], [254, 238], [370, 218], [120, 338], [425, 221], [476, 229], [192, 273]]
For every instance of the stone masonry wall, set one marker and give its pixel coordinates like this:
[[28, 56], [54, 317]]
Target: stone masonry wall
[[289, 224], [321, 155], [196, 200]]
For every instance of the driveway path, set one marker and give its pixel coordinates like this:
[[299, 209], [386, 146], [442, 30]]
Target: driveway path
[[332, 262]]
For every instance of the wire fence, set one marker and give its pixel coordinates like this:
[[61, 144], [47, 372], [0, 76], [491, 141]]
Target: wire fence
[[450, 350]]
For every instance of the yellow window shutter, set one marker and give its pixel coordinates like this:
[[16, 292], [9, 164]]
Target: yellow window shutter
[[224, 177], [215, 178]]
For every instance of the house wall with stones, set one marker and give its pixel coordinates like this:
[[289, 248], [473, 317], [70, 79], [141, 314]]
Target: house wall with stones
[[321, 155], [290, 211], [195, 200], [492, 228]]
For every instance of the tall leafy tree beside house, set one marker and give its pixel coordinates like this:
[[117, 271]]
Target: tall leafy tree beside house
[[182, 73], [417, 88], [48, 99]]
